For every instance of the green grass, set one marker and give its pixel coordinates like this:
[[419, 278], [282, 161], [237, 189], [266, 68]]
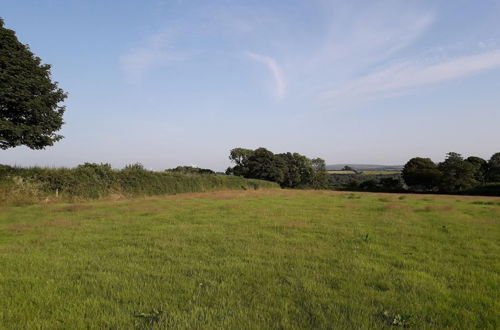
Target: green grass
[[253, 260]]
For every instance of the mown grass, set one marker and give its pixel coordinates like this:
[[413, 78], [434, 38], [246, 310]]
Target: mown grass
[[253, 260]]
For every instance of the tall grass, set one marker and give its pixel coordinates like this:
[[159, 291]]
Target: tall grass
[[92, 181]]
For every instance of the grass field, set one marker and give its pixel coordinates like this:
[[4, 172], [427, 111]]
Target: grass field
[[253, 259]]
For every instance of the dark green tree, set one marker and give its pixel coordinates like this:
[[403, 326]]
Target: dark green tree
[[421, 173], [480, 168], [493, 169], [239, 156], [348, 168], [298, 170], [30, 113], [265, 165], [458, 174]]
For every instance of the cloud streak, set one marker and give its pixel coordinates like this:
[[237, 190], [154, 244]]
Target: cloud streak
[[372, 40], [156, 52], [275, 71], [403, 76]]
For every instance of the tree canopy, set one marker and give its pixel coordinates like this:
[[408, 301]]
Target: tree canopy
[[290, 170], [30, 113], [421, 172], [493, 169], [458, 174]]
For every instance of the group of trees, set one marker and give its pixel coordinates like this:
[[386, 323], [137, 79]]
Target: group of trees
[[290, 170], [454, 174]]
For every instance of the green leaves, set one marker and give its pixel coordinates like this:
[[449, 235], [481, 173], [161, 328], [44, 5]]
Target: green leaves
[[30, 113], [421, 173], [290, 170]]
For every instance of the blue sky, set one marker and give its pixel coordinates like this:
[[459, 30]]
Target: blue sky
[[169, 83]]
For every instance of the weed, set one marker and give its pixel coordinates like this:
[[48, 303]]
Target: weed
[[396, 320], [150, 318]]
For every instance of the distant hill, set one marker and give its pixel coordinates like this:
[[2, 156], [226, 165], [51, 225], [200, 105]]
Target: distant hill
[[365, 167]]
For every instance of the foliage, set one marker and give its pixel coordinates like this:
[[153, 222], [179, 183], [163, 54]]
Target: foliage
[[493, 169], [90, 181], [30, 113], [421, 172], [480, 168], [319, 174], [264, 165], [390, 182], [190, 170], [290, 170], [239, 156], [457, 174]]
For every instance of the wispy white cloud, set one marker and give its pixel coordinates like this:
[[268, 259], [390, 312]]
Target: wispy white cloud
[[156, 52], [403, 76], [372, 37], [274, 70]]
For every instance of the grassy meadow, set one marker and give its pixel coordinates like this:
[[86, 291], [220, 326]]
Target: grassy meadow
[[252, 260]]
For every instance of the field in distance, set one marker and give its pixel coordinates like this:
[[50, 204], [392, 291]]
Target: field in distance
[[253, 259], [367, 172]]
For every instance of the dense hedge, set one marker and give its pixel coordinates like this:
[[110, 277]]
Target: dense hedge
[[489, 189], [90, 181], [391, 182]]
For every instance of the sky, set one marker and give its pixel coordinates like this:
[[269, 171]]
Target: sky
[[182, 82]]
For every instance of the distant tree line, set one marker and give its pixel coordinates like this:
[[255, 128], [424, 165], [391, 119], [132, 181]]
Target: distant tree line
[[289, 170], [190, 170], [454, 175]]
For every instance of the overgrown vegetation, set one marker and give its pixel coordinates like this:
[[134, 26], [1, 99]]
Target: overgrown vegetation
[[90, 181], [267, 259]]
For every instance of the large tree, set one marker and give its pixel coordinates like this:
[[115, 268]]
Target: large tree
[[458, 174], [480, 168], [421, 173], [298, 170], [239, 156], [265, 165], [30, 110], [493, 172]]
